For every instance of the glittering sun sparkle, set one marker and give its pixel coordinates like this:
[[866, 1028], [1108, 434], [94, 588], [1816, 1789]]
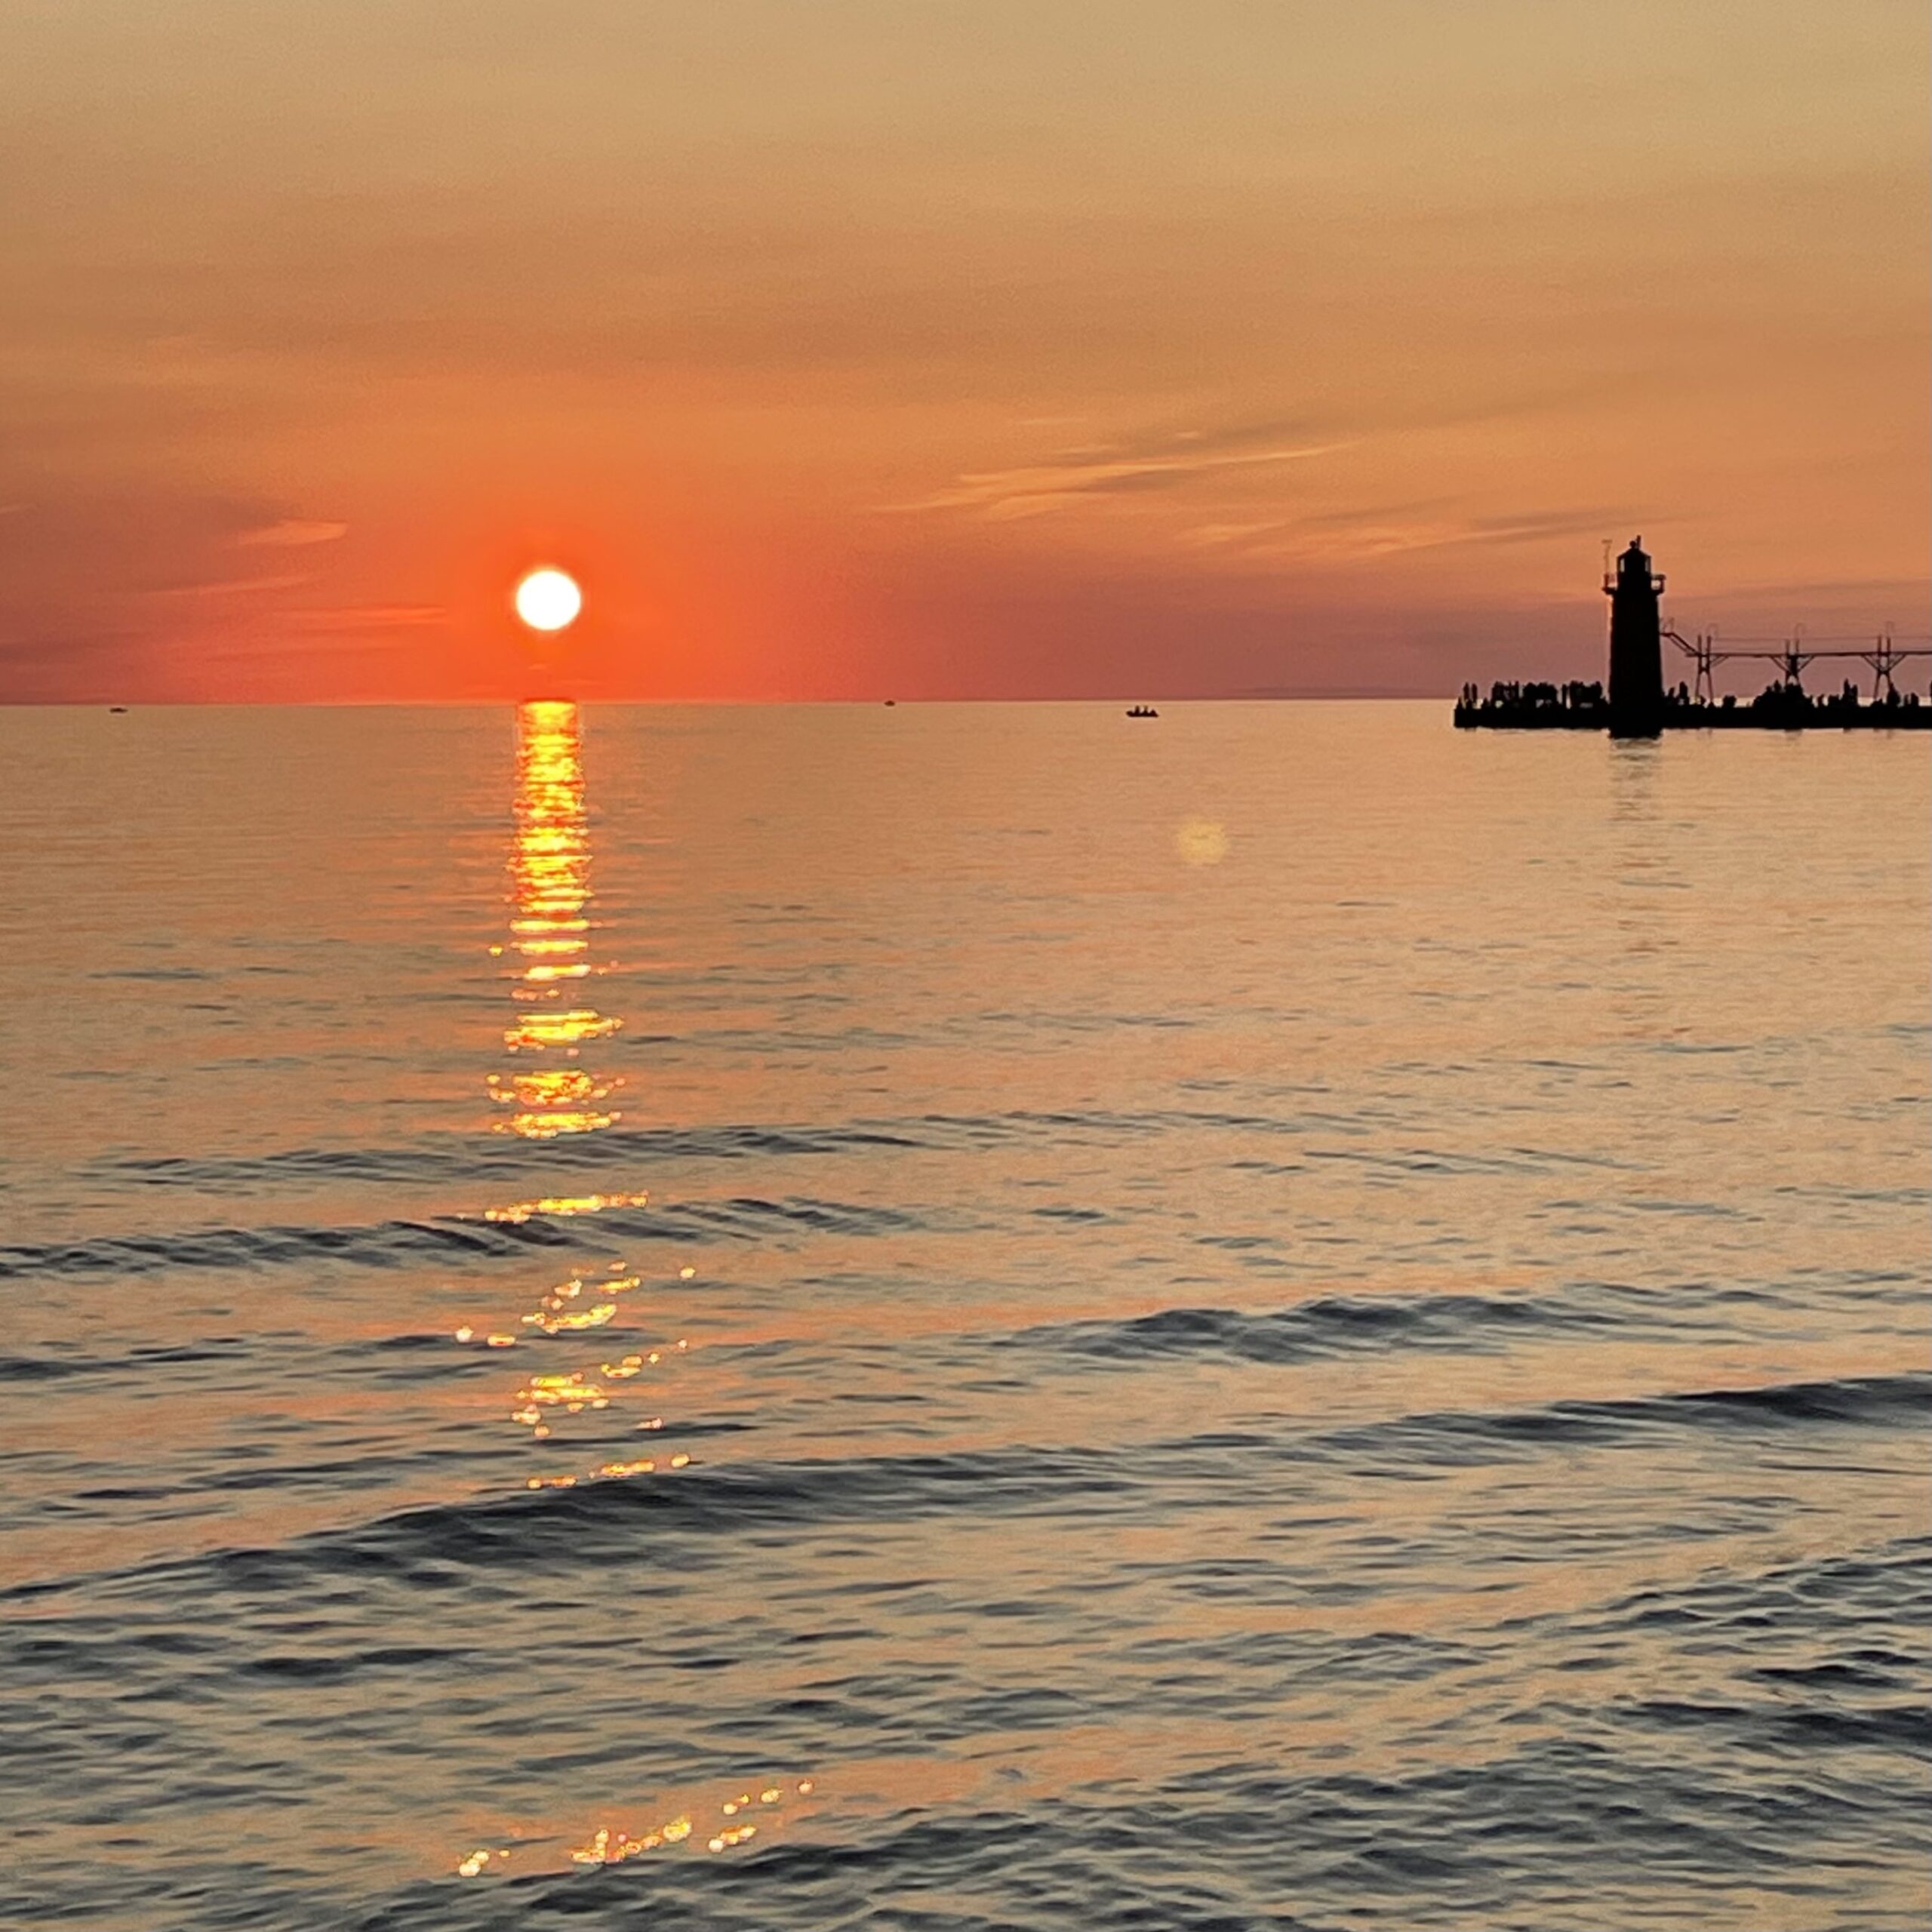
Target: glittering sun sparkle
[[547, 600]]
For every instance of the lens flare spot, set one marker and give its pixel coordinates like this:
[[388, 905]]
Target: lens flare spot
[[1201, 842]]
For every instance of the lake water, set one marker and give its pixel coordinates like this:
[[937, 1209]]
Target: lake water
[[962, 1316]]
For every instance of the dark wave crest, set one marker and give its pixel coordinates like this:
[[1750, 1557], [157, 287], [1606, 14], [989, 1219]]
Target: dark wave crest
[[1336, 1325], [596, 1520], [1881, 1402], [399, 1243]]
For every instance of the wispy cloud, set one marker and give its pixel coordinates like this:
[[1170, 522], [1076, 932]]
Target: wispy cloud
[[1357, 536], [368, 617], [292, 533], [1215, 536], [231, 587], [1034, 489]]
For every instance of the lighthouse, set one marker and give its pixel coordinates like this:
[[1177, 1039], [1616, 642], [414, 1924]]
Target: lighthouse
[[1636, 646]]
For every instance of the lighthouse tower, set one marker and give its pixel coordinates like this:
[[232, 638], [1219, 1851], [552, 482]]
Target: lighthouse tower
[[1636, 646]]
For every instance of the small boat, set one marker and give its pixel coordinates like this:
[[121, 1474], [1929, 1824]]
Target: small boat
[[118, 710], [1142, 711]]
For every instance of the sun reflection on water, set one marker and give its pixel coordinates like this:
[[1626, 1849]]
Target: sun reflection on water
[[549, 926], [548, 950], [610, 1844], [549, 937], [515, 1212]]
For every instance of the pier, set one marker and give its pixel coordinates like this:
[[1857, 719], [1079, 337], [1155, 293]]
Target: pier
[[1637, 703]]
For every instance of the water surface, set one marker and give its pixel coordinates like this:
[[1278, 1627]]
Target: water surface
[[961, 1317]]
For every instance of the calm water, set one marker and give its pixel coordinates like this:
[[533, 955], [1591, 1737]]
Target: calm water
[[962, 1316]]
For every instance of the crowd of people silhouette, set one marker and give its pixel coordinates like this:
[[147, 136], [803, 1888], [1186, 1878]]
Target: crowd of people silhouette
[[1781, 706]]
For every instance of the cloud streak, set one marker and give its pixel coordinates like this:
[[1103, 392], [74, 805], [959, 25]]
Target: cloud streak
[[1035, 489], [292, 533], [355, 617], [230, 586], [1350, 537]]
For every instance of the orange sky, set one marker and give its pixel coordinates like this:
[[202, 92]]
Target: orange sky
[[933, 348]]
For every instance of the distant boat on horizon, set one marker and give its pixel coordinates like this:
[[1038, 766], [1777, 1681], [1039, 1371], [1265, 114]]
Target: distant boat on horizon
[[1142, 711]]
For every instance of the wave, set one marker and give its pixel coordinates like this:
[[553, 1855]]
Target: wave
[[1886, 1587], [368, 1357], [1458, 1436], [399, 1243], [385, 1244], [1615, 1813], [1337, 1324], [479, 1158], [596, 1520]]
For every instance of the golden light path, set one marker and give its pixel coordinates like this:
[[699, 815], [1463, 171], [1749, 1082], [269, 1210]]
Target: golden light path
[[550, 937], [548, 600], [550, 1095]]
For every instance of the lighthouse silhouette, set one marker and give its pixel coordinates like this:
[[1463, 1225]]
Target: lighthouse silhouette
[[1636, 646]]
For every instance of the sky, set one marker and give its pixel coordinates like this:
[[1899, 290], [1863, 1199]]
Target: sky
[[956, 348]]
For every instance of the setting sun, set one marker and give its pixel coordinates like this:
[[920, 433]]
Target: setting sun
[[547, 600]]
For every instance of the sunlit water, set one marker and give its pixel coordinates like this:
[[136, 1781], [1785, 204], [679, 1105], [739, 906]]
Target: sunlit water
[[961, 1317]]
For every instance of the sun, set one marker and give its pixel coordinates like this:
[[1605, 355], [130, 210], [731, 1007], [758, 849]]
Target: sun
[[548, 600]]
